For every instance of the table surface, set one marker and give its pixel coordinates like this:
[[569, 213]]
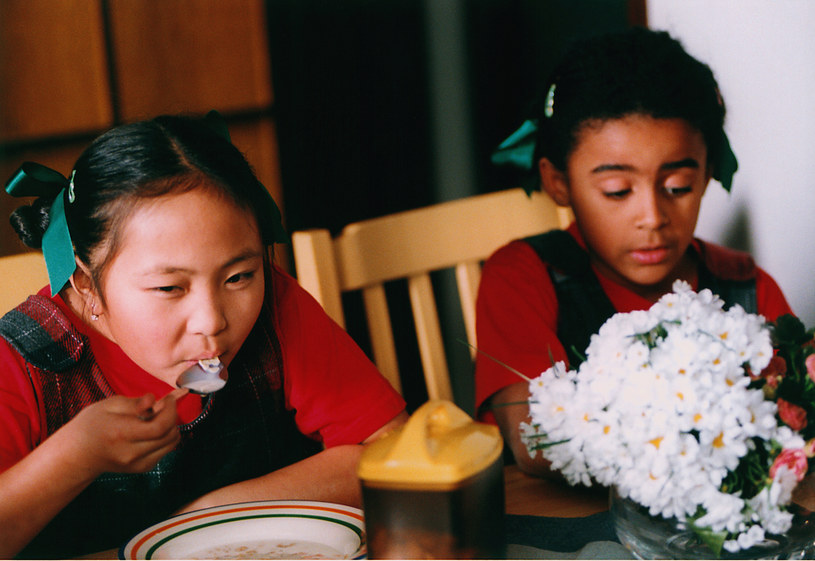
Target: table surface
[[549, 497], [524, 494]]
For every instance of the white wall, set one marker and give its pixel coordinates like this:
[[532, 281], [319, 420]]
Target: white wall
[[763, 55]]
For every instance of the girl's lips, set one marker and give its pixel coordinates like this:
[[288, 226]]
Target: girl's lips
[[650, 255]]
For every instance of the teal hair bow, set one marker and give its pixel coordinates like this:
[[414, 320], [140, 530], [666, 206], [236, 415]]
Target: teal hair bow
[[35, 180], [216, 122], [519, 149]]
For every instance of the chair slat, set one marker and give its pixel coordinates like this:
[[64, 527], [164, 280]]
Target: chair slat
[[317, 270], [381, 333], [468, 277], [428, 334]]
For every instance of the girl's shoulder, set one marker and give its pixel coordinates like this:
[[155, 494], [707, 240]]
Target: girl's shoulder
[[42, 333]]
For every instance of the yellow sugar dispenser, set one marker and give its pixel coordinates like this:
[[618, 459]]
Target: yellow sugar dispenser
[[434, 488]]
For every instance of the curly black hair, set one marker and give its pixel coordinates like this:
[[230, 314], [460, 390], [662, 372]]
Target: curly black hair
[[633, 72]]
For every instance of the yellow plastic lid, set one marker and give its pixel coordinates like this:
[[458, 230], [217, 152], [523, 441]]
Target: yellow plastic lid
[[439, 445]]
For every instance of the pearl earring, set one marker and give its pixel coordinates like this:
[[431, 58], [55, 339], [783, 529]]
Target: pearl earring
[[94, 315]]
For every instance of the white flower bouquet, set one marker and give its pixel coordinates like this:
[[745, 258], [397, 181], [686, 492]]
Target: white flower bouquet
[[671, 408]]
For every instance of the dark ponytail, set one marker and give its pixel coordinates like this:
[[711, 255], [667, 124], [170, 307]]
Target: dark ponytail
[[30, 221]]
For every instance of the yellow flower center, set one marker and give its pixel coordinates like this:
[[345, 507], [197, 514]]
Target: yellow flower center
[[718, 442]]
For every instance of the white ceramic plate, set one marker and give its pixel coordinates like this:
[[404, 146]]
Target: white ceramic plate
[[256, 530]]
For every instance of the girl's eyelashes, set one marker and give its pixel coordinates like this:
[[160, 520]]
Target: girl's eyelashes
[[616, 194], [243, 277], [671, 191], [167, 289], [678, 191]]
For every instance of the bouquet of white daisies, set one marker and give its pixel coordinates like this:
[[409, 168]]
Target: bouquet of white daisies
[[671, 408]]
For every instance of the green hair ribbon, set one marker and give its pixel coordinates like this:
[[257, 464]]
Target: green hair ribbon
[[35, 180], [519, 149]]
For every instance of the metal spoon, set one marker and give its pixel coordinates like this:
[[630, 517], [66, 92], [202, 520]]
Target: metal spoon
[[204, 377]]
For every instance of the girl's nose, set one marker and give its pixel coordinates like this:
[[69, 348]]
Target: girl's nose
[[207, 316], [651, 213]]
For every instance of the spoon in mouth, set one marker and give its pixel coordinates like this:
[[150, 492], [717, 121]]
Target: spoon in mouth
[[204, 377]]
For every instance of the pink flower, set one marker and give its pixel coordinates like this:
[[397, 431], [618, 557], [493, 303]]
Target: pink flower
[[794, 416], [810, 364], [794, 460]]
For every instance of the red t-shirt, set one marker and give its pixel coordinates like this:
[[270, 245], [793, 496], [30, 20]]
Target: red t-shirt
[[517, 310], [338, 394]]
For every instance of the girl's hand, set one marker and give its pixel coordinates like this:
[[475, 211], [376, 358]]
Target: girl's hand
[[117, 434], [124, 434]]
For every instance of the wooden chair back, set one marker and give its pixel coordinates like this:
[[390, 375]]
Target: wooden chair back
[[410, 245], [21, 275]]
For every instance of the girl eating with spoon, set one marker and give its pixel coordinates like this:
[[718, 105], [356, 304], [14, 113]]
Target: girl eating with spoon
[[159, 250]]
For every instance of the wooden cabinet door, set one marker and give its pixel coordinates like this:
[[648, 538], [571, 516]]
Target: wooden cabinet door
[[189, 56], [53, 69]]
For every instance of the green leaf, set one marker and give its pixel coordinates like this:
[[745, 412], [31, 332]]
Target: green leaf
[[651, 338], [789, 329], [714, 540], [543, 445]]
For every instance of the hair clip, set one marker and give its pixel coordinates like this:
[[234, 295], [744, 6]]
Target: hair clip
[[71, 194], [549, 105]]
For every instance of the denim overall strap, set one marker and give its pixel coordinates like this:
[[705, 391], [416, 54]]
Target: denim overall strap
[[583, 306], [741, 292]]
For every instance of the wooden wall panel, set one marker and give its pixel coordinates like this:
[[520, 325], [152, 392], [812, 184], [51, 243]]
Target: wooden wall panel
[[53, 69], [258, 142], [58, 89], [189, 56]]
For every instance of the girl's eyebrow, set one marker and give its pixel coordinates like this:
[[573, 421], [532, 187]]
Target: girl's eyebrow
[[244, 256], [169, 269], [679, 164], [686, 163]]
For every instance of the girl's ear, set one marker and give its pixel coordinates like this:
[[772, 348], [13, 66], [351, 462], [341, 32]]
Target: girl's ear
[[82, 283], [554, 182], [81, 280]]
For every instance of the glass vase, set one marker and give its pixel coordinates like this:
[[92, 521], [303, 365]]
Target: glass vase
[[655, 537]]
